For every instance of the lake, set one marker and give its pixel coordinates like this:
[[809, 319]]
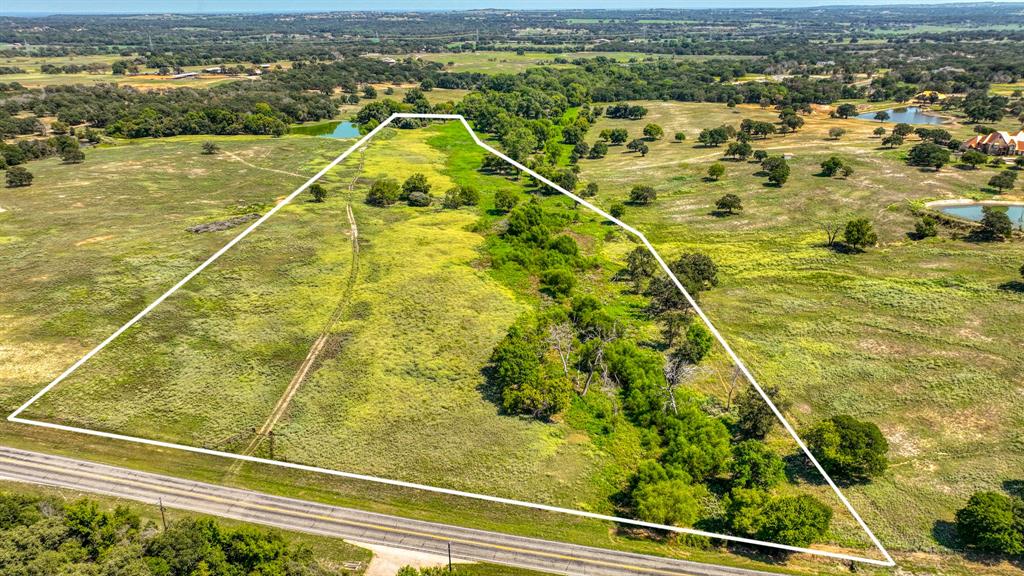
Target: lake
[[908, 115], [973, 212], [328, 130]]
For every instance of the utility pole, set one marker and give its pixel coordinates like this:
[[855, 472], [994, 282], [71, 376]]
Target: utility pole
[[163, 517], [271, 436], [449, 557]]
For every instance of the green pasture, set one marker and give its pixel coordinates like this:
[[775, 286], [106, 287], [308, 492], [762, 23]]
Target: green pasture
[[921, 337], [89, 245]]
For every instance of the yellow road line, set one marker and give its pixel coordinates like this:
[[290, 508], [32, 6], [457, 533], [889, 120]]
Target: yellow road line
[[439, 537]]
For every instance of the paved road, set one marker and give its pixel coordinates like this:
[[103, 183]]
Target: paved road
[[310, 517]]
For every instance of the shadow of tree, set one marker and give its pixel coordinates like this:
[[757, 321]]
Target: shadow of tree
[[1012, 286]]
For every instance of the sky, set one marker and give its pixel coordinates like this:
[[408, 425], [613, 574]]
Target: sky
[[221, 6]]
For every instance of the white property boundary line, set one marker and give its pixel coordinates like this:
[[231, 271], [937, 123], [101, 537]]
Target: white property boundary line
[[718, 336]]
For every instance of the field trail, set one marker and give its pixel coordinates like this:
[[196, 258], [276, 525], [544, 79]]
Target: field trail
[[238, 158], [281, 407]]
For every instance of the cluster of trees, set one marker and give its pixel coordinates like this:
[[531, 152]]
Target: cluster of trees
[[627, 111], [12, 155], [49, 536], [415, 191]]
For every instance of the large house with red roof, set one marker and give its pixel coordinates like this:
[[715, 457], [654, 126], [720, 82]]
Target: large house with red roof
[[998, 143]]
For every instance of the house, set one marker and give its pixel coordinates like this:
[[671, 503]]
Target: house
[[998, 143], [184, 75]]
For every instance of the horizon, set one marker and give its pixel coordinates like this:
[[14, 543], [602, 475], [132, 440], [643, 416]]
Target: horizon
[[24, 8]]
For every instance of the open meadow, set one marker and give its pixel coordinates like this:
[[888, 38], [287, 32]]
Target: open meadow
[[921, 337], [396, 391]]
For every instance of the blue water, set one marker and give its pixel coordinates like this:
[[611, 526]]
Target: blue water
[[973, 212], [328, 130], [908, 115]]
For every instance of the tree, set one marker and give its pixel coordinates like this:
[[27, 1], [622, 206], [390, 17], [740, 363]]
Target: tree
[[384, 192], [618, 135], [755, 465], [995, 223], [1003, 181], [837, 133], [598, 150], [697, 344], [760, 155], [668, 502], [846, 110], [18, 176], [992, 522], [740, 150], [882, 116], [617, 210], [755, 419], [849, 448], [74, 155], [680, 136], [642, 194], [778, 170], [791, 520], [713, 137], [558, 282], [926, 227], [903, 129], [832, 166], [716, 171], [640, 266], [318, 191], [694, 442], [643, 149], [973, 158], [879, 131], [653, 132], [929, 154], [730, 203], [859, 234], [590, 190], [415, 183], [517, 372], [505, 200], [210, 147], [893, 140]]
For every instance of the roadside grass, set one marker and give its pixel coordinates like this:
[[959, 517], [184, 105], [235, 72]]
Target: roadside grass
[[916, 336]]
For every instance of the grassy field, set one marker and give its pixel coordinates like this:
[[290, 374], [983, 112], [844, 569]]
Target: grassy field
[[918, 336], [502, 62], [33, 77], [110, 278]]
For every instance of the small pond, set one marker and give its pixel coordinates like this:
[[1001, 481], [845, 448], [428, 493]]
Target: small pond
[[908, 115], [973, 212], [328, 130]]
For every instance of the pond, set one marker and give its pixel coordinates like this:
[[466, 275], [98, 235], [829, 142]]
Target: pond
[[328, 130], [908, 115], [973, 212]]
